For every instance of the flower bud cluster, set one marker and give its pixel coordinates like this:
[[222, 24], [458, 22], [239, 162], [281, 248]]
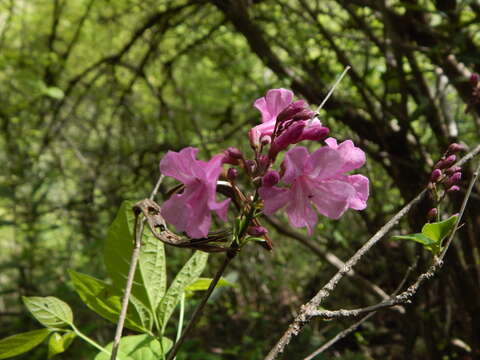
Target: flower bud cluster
[[445, 173]]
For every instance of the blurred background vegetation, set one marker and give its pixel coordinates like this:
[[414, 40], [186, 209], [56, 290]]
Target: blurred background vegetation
[[94, 92]]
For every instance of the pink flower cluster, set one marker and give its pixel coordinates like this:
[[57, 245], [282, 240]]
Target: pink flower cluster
[[310, 181], [317, 180]]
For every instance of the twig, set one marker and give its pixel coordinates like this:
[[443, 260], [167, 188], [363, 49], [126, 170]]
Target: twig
[[339, 336], [138, 233], [157, 186], [354, 326], [329, 257], [333, 87], [198, 311], [128, 287], [303, 317], [310, 309]]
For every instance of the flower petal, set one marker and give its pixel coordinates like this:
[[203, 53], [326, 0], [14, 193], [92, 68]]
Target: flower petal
[[332, 197], [276, 100], [360, 183], [213, 168], [294, 163], [324, 163], [220, 208], [180, 165], [299, 209], [353, 157], [173, 207], [274, 198]]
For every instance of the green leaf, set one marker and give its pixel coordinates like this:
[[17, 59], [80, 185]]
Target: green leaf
[[105, 300], [20, 343], [58, 343], [186, 276], [139, 347], [54, 92], [438, 231], [429, 244], [150, 277], [420, 238], [202, 284], [49, 311]]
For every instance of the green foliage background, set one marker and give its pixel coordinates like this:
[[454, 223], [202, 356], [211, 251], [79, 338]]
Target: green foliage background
[[94, 92]]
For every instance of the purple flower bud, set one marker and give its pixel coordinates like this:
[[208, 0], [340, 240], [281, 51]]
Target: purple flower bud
[[453, 188], [445, 163], [316, 133], [452, 180], [263, 162], [256, 231], [271, 178], [290, 136], [265, 140], [454, 148], [250, 166], [432, 214], [232, 174], [305, 114], [452, 170], [291, 110], [436, 175], [232, 156], [474, 79], [234, 152]]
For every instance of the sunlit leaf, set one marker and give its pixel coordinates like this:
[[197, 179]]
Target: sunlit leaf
[[438, 231], [139, 347], [20, 343], [58, 343], [187, 275], [49, 311], [105, 300], [202, 284]]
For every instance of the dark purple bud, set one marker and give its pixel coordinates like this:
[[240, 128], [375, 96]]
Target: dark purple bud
[[436, 175], [289, 136], [305, 114], [250, 165], [474, 79], [265, 140], [232, 174], [454, 148], [234, 153], [263, 162], [452, 170], [453, 188], [432, 214], [446, 163], [314, 133], [271, 178], [452, 180], [232, 156], [291, 110], [256, 231]]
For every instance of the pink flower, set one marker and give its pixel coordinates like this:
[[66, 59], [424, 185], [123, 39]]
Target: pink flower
[[269, 106], [318, 179], [295, 121], [190, 210]]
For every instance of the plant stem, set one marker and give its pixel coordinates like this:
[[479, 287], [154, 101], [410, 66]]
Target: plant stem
[[180, 319], [128, 287], [88, 340], [198, 311]]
